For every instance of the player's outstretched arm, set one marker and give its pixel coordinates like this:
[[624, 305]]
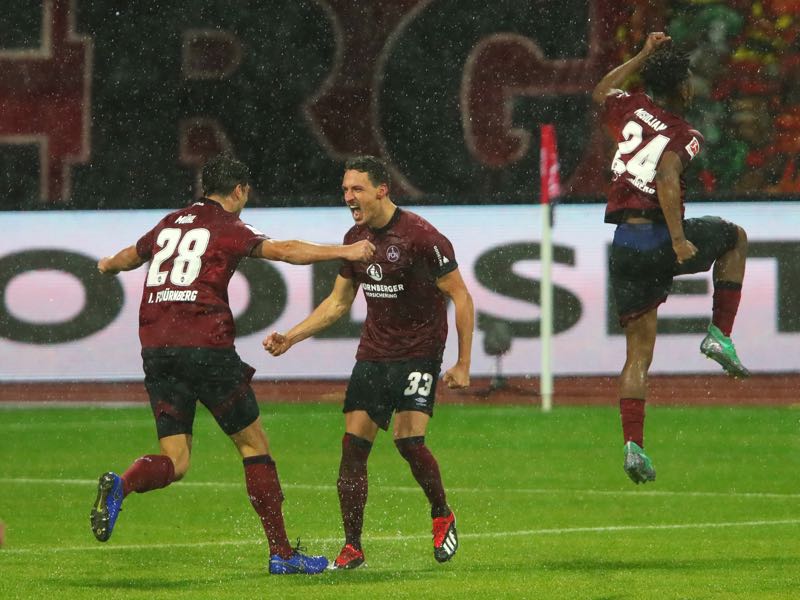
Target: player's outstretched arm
[[614, 79], [126, 259], [298, 252], [668, 180], [452, 285], [328, 312]]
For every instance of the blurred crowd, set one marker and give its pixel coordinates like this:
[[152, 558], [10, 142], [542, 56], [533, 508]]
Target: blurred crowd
[[746, 64]]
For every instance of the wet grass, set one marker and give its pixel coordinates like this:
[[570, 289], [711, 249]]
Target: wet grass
[[544, 508]]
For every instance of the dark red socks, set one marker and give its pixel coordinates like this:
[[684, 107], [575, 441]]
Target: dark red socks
[[150, 472], [264, 490], [726, 302], [352, 486], [426, 471], [632, 412]]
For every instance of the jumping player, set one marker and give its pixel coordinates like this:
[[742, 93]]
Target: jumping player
[[187, 334], [653, 242], [399, 357]]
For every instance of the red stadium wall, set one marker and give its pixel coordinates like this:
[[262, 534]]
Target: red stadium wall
[[93, 114]]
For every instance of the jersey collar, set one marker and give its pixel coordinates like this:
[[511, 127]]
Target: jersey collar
[[395, 216]]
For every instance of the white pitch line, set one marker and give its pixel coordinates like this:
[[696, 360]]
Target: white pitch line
[[460, 490], [404, 538]]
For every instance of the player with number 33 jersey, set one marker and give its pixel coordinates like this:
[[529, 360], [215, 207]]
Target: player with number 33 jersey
[[407, 286]]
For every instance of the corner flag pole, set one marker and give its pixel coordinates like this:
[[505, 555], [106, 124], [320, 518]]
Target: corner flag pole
[[550, 189]]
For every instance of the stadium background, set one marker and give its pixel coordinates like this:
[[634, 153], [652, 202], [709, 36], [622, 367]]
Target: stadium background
[[107, 105]]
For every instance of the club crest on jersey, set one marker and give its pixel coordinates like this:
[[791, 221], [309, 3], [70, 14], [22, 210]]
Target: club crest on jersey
[[693, 147], [375, 271], [393, 253]]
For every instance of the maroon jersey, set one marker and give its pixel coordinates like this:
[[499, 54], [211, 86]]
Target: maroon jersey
[[193, 253], [643, 132], [406, 311]]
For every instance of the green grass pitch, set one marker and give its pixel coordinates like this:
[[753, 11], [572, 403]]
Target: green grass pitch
[[544, 508]]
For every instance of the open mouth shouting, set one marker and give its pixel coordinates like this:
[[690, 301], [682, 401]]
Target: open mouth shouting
[[355, 210]]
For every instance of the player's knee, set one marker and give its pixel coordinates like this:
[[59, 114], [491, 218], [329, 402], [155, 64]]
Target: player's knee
[[408, 446]]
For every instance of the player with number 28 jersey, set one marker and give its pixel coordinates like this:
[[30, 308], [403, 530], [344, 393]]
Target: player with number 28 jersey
[[194, 253], [187, 333]]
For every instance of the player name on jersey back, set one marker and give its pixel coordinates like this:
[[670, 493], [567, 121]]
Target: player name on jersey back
[[649, 119]]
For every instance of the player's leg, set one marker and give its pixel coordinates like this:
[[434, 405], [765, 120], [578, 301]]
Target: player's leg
[[266, 497], [640, 338], [724, 244], [227, 393], [263, 485], [728, 276], [173, 405], [364, 414], [146, 473], [352, 485], [641, 266], [414, 386], [409, 438]]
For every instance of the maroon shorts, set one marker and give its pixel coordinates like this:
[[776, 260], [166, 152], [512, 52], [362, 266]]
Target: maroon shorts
[[641, 262], [177, 378]]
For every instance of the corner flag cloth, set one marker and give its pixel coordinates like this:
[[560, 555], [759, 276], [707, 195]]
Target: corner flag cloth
[[548, 165]]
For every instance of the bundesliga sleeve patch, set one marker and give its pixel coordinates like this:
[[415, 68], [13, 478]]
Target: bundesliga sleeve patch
[[693, 148]]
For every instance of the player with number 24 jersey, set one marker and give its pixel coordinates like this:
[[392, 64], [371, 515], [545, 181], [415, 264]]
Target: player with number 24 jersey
[[643, 132]]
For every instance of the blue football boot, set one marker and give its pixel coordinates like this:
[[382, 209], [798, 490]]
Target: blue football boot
[[297, 563], [107, 506]]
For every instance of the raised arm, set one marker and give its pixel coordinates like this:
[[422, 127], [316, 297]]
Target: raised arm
[[298, 252], [126, 259], [452, 285], [613, 80], [668, 180], [328, 312]]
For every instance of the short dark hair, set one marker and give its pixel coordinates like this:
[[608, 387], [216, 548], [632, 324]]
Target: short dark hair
[[374, 167], [665, 70], [223, 173]]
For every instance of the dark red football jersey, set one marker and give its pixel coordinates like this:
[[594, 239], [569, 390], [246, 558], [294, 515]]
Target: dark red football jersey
[[406, 312], [643, 132], [193, 253]]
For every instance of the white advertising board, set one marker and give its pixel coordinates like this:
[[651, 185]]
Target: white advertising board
[[58, 323]]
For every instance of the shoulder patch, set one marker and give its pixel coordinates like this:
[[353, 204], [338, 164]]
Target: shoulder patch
[[693, 147]]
